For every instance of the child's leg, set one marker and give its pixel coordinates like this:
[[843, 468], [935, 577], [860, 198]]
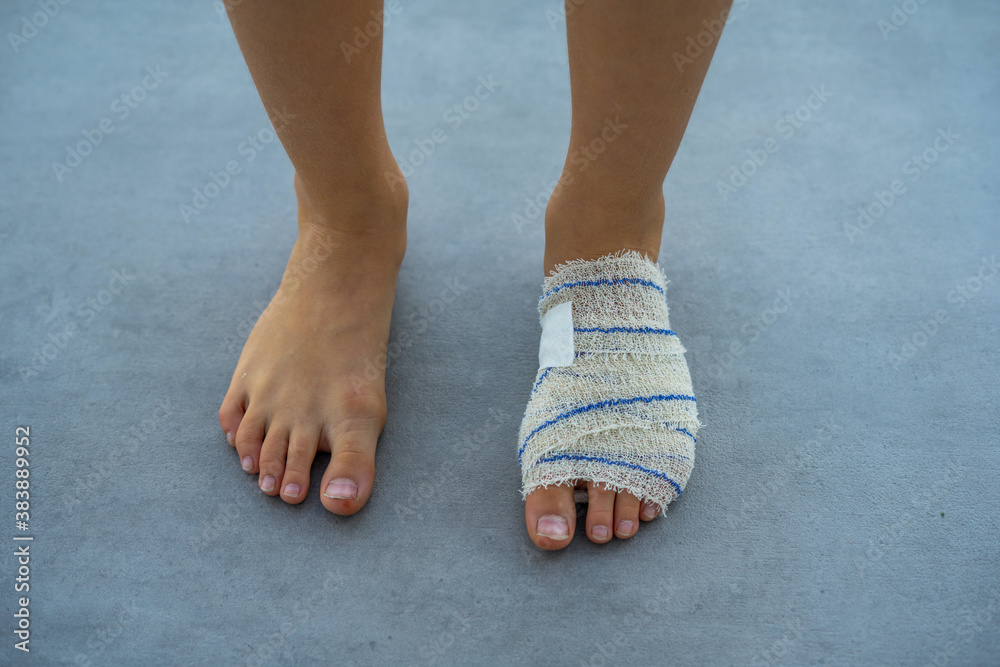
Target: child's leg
[[305, 379], [631, 104]]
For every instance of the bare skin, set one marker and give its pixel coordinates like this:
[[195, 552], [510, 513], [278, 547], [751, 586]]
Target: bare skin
[[303, 382], [295, 389]]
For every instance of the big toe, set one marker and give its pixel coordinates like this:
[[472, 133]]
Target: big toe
[[348, 481], [550, 516]]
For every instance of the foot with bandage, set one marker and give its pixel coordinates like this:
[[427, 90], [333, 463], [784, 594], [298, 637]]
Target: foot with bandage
[[612, 418]]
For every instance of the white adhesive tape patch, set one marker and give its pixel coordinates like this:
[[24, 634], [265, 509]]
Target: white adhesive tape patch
[[556, 347]]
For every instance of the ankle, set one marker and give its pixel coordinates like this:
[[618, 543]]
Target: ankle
[[364, 224], [370, 200], [587, 223]]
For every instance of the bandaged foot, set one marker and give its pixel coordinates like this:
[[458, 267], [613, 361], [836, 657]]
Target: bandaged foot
[[612, 402]]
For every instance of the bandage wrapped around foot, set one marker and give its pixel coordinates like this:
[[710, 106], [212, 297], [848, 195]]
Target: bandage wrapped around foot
[[612, 401]]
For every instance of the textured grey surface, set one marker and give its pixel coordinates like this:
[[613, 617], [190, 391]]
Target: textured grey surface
[[843, 509]]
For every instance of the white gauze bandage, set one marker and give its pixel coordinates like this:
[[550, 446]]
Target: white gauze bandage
[[619, 409]]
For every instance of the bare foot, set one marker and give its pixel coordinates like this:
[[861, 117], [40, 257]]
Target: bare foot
[[303, 382]]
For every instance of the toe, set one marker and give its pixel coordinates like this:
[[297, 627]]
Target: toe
[[231, 414], [273, 454], [302, 445], [600, 512], [626, 515], [649, 511], [248, 439], [348, 481], [550, 516]]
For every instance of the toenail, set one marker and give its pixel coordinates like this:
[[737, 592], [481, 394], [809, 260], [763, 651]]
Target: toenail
[[649, 512], [625, 527], [229, 437], [247, 462], [553, 526], [292, 490], [342, 489], [600, 532], [267, 484]]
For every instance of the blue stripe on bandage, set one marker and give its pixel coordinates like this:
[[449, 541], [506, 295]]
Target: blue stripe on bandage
[[684, 431], [550, 368], [603, 404], [616, 281], [541, 378], [600, 459], [665, 332], [667, 456]]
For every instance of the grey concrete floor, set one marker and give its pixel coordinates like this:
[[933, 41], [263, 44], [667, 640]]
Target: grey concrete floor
[[843, 509]]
